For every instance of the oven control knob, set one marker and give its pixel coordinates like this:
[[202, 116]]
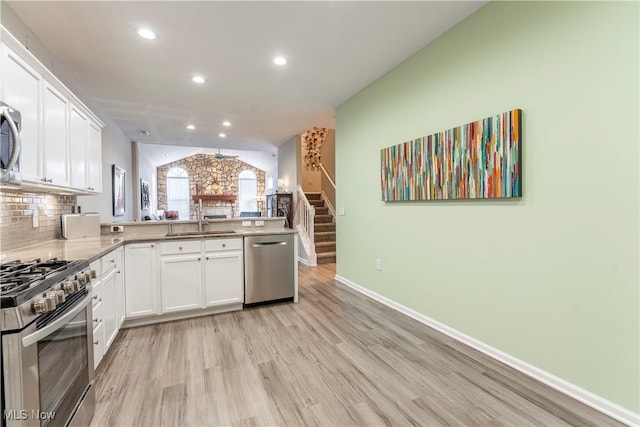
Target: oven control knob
[[87, 277], [93, 274], [74, 286], [68, 287], [58, 295], [82, 280], [49, 303], [43, 304], [37, 306]]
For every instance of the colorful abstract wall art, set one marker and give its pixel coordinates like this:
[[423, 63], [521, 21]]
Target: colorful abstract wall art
[[478, 160]]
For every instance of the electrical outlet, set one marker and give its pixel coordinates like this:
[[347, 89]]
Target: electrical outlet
[[341, 211], [379, 264], [246, 223], [36, 218], [259, 223], [117, 228]]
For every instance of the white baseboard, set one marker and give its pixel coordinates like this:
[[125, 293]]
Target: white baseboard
[[303, 261], [588, 398]]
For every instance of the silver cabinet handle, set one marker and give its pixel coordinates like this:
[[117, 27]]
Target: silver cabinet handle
[[96, 342], [4, 111], [152, 245]]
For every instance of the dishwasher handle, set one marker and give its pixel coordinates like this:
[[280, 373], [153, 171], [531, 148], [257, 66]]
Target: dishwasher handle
[[258, 245]]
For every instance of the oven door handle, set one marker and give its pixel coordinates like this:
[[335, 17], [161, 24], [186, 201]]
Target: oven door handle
[[4, 111], [55, 325]]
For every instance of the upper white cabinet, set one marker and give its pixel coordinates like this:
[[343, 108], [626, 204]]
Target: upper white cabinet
[[55, 136], [94, 158], [78, 142], [61, 137], [21, 87]]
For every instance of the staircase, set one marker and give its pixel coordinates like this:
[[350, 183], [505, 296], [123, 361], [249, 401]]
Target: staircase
[[324, 228]]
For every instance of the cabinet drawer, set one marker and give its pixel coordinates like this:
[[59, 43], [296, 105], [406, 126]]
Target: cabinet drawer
[[182, 247], [223, 244], [108, 262]]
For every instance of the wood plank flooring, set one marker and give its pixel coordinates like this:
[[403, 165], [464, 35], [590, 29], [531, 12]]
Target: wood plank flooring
[[336, 358]]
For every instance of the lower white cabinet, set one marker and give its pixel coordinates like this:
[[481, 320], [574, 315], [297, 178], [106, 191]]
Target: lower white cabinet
[[109, 308], [181, 281], [119, 285], [140, 260], [173, 277], [108, 294], [224, 275]]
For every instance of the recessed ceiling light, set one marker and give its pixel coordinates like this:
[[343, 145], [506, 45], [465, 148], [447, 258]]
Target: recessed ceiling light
[[197, 79], [146, 33], [144, 132], [191, 127], [222, 135], [279, 60], [226, 123]]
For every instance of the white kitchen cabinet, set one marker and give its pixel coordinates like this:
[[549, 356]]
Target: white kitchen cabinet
[[109, 308], [98, 339], [55, 136], [119, 287], [181, 276], [224, 275], [61, 138], [94, 158], [141, 296], [21, 88], [78, 141]]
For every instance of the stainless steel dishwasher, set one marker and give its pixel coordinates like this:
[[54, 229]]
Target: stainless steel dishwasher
[[268, 268]]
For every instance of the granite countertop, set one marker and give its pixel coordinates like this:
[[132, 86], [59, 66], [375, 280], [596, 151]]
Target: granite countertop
[[92, 248]]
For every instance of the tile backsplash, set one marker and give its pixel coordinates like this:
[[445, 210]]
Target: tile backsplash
[[16, 217]]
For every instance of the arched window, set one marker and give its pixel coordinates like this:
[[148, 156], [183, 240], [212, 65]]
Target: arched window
[[247, 191], [178, 192]]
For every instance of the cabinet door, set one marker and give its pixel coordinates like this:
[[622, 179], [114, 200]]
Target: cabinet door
[[55, 108], [120, 309], [78, 134], [98, 335], [181, 282], [109, 309], [140, 280], [94, 158], [224, 278], [22, 89]]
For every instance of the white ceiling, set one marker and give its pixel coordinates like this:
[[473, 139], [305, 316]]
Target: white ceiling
[[334, 49]]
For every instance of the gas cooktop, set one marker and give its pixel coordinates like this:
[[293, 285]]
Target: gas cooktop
[[20, 280]]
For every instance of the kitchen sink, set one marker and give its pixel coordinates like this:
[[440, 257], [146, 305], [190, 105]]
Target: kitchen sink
[[199, 233]]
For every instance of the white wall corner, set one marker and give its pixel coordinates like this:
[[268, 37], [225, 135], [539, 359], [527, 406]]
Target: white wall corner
[[599, 403]]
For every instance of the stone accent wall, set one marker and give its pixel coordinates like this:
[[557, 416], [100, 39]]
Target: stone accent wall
[[16, 217], [209, 176]]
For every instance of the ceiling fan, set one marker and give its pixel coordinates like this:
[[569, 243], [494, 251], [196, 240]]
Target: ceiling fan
[[219, 156]]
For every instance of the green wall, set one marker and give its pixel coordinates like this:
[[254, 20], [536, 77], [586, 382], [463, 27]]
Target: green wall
[[552, 278]]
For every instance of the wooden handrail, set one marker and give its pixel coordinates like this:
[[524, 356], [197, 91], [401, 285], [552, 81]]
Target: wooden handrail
[[328, 176]]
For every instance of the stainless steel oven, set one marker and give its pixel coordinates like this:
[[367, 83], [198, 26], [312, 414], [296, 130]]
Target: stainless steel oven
[[47, 354]]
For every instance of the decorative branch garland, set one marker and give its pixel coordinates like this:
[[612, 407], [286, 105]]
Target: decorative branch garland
[[313, 140]]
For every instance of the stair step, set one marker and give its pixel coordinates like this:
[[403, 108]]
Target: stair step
[[322, 219], [313, 196], [322, 210], [324, 226], [324, 247], [326, 258], [324, 236], [317, 203]]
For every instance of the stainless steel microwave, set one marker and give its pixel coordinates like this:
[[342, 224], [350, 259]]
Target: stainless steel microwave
[[10, 144]]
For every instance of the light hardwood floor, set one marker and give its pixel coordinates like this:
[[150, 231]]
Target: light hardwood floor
[[336, 358]]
